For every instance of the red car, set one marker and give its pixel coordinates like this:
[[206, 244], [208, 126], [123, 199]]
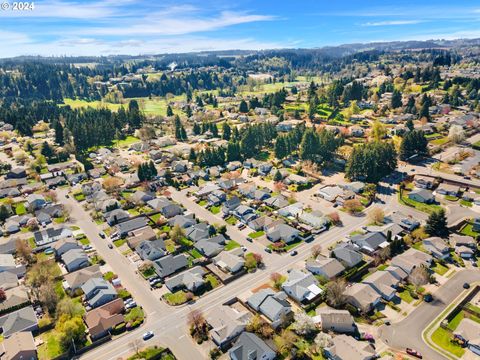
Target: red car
[[414, 353]]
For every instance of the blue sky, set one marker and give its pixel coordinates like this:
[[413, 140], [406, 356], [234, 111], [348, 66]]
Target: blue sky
[[104, 27]]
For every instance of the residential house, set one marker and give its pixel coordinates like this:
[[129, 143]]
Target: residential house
[[282, 232], [362, 296], [244, 213], [35, 201], [123, 228], [476, 224], [19, 346], [136, 237], [226, 324], [8, 280], [73, 281], [338, 321], [301, 286], [448, 189], [250, 347], [20, 320], [198, 232], [184, 221], [347, 255], [230, 261], [98, 291], [16, 298], [327, 267], [170, 264], [277, 202], [217, 197], [370, 242], [423, 182], [260, 223], [151, 250], [273, 305], [206, 190], [16, 173], [191, 279], [422, 196], [116, 216], [354, 186], [468, 331], [437, 247], [397, 272], [7, 262], [75, 259], [347, 348], [230, 205], [406, 222], [384, 283], [411, 259], [210, 246], [292, 210], [64, 245], [102, 320], [44, 237], [314, 219], [330, 193]]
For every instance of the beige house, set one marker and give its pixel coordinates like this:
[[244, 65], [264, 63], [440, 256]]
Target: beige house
[[19, 346]]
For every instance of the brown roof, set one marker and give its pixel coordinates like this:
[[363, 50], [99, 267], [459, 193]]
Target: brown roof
[[18, 344], [77, 278], [143, 234], [104, 317]]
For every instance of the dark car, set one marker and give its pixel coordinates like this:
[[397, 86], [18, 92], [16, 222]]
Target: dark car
[[428, 298], [249, 239], [67, 196], [268, 250], [102, 234], [466, 286], [110, 246], [148, 335], [293, 253], [414, 353]]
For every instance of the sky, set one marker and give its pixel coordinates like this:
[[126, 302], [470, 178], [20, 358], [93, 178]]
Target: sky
[[140, 27]]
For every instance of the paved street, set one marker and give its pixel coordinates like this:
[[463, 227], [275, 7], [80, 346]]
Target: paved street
[[408, 332]]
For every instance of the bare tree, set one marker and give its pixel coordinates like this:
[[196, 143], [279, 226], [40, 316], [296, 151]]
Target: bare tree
[[285, 341], [335, 293], [383, 255], [276, 279], [377, 215], [177, 233], [24, 250], [316, 250], [353, 206], [304, 324], [197, 323], [419, 276]]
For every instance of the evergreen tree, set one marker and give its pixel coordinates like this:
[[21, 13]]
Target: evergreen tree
[[169, 111], [309, 146], [278, 176], [214, 129], [227, 132], [281, 149], [396, 100], [410, 107], [243, 108], [413, 143], [188, 111], [437, 224], [409, 124], [47, 150], [4, 213], [59, 137], [196, 129], [192, 156]]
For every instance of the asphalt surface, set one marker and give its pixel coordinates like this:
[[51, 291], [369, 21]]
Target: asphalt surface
[[408, 332]]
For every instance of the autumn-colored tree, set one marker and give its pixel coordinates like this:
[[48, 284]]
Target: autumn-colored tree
[[334, 218], [376, 215], [112, 184], [177, 233], [3, 295], [277, 280], [24, 251], [316, 250], [353, 206], [335, 293]]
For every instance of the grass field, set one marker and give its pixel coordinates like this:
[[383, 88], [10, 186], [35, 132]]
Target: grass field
[[232, 244], [427, 208], [442, 338], [77, 104]]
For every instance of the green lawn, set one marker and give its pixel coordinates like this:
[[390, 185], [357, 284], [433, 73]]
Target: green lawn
[[405, 296], [440, 141], [50, 347], [31, 242], [232, 244], [467, 229], [156, 217], [79, 196], [293, 244], [212, 280], [256, 234], [129, 140], [59, 220], [195, 253], [453, 324], [202, 202], [119, 242], [176, 298], [77, 104], [231, 220], [442, 337], [20, 209], [466, 203], [451, 198], [215, 209], [440, 269], [427, 208]]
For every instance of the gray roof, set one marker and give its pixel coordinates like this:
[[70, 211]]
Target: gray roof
[[347, 254], [191, 279], [170, 264], [198, 232], [75, 255], [130, 225], [95, 285], [270, 303], [23, 319], [249, 346], [369, 241], [328, 267], [301, 286], [184, 221], [151, 250]]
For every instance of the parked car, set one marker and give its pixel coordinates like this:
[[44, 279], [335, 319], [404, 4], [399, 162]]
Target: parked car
[[293, 253], [414, 353], [110, 246], [49, 251], [249, 239], [102, 234], [67, 196], [148, 335], [268, 250], [428, 298], [466, 286], [241, 226]]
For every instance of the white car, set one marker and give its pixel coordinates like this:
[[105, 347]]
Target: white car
[[148, 335]]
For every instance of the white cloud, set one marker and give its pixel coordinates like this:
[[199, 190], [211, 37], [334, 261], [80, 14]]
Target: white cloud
[[392, 23]]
